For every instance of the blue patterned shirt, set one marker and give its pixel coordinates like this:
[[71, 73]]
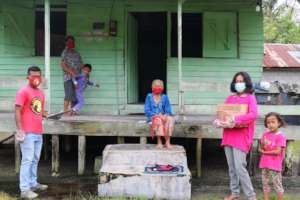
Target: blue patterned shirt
[[151, 108]]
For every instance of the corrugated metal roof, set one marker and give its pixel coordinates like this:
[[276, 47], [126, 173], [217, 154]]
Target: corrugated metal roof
[[281, 55]]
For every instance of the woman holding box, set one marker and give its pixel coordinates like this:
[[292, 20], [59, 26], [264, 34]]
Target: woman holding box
[[237, 141]]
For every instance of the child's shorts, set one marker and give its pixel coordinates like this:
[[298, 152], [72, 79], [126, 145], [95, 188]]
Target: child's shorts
[[70, 94], [276, 178]]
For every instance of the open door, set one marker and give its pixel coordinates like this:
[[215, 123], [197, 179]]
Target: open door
[[132, 65], [146, 53]]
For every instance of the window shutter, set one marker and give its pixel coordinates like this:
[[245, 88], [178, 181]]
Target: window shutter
[[220, 34], [18, 33]]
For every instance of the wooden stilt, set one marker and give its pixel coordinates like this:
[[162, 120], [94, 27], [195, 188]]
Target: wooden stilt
[[81, 154], [97, 164], [46, 147], [143, 140], [103, 178], [67, 144], [199, 156], [121, 140], [55, 155], [17, 157], [253, 159]]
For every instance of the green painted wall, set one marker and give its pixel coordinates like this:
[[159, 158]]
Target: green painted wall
[[108, 54]]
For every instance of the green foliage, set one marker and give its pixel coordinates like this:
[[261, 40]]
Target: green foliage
[[279, 25]]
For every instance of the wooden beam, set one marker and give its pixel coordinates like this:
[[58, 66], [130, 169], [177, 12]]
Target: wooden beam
[[262, 109], [199, 126], [253, 159], [17, 157], [143, 140], [67, 147], [55, 155], [204, 109], [169, 35], [120, 140], [199, 156], [81, 154], [179, 56], [46, 147], [47, 53]]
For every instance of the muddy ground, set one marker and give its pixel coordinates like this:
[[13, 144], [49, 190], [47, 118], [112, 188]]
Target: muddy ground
[[214, 181]]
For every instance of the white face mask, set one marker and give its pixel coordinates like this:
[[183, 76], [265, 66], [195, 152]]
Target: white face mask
[[240, 87]]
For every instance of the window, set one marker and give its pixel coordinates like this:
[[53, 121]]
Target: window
[[58, 30], [220, 34], [191, 35]]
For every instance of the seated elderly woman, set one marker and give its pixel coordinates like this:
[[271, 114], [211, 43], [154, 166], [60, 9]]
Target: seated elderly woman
[[159, 114]]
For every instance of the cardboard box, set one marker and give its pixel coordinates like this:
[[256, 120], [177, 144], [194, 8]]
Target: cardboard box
[[226, 110]]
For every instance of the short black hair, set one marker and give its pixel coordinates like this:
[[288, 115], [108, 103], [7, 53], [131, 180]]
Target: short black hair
[[278, 116], [88, 66], [69, 37], [248, 82], [33, 69]]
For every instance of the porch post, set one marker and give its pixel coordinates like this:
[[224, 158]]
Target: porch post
[[47, 52], [179, 28]]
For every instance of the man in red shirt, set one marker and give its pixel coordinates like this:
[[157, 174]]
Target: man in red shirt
[[29, 113]]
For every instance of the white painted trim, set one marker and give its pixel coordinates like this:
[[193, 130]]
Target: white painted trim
[[47, 54]]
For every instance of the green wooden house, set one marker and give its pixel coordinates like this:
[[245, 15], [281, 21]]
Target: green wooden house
[[129, 43], [194, 46]]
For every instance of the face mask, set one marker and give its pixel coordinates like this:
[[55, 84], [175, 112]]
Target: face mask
[[240, 87], [157, 90], [70, 44], [34, 81]]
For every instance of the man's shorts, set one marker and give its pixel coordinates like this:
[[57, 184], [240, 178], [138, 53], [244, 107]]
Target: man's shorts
[[70, 94]]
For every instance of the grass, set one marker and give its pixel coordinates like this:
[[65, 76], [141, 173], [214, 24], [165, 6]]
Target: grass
[[79, 196], [206, 197], [5, 196], [93, 197]]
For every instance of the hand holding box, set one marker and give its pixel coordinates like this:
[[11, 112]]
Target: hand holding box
[[227, 112]]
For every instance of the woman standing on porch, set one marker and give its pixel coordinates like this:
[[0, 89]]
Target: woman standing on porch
[[237, 141]]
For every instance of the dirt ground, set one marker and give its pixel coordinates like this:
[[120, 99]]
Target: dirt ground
[[212, 185]]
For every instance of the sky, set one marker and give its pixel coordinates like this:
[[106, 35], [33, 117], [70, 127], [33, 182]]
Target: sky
[[295, 4]]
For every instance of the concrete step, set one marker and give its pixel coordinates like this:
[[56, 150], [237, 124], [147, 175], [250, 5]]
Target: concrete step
[[123, 172]]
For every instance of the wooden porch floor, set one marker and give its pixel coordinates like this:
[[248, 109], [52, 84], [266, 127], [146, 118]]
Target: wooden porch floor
[[187, 126]]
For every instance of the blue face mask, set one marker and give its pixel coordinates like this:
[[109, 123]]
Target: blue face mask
[[240, 87]]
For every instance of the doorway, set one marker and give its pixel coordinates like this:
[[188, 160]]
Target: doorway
[[147, 53]]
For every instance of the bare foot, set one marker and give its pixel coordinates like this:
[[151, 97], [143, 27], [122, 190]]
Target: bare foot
[[168, 146], [159, 146], [73, 113], [231, 197]]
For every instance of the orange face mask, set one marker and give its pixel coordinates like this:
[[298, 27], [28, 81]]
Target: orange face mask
[[34, 81], [157, 90], [70, 44]]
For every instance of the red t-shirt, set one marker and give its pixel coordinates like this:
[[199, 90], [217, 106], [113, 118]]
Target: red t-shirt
[[32, 102]]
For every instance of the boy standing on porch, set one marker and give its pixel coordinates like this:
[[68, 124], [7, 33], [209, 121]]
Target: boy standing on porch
[[81, 82], [29, 112]]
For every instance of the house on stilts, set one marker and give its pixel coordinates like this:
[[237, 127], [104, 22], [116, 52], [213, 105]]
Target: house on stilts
[[194, 46]]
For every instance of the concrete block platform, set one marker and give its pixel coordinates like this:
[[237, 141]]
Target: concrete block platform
[[122, 172]]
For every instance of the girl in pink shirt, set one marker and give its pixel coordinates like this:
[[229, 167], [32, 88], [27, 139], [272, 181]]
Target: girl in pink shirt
[[272, 146], [237, 141]]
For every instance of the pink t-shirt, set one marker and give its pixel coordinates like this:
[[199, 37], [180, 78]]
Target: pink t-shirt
[[241, 138], [271, 142], [32, 102]]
